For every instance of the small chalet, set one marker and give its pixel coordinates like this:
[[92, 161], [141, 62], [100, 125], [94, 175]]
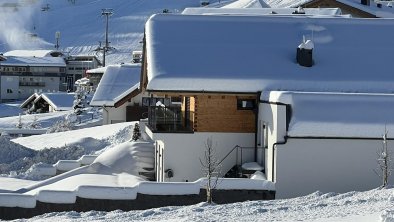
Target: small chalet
[[48, 102], [119, 95], [304, 99]]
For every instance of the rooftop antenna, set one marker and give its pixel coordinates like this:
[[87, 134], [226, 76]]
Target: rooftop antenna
[[57, 37]]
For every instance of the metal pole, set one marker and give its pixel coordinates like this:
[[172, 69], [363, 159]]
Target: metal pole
[[106, 13]]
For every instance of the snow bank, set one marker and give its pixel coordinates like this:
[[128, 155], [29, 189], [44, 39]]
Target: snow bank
[[87, 159], [108, 193], [17, 200], [154, 188], [113, 133], [239, 184], [66, 165], [56, 196], [128, 157]]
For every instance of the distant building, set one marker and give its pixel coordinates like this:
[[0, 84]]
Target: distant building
[[119, 95], [77, 67], [95, 75], [21, 76]]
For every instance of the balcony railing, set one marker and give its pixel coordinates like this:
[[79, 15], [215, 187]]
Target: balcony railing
[[41, 84], [168, 119]]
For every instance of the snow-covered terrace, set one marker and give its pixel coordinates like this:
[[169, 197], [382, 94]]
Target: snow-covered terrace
[[117, 82], [258, 53]]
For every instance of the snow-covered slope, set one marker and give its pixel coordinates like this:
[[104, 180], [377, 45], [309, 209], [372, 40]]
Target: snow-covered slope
[[33, 24]]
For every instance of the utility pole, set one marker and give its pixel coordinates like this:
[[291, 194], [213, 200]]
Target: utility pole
[[107, 13], [57, 36]]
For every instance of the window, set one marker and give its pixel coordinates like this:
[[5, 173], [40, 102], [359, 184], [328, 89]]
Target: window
[[9, 90], [246, 104]]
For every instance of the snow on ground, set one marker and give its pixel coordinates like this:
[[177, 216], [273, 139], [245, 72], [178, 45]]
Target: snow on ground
[[18, 155], [89, 137], [374, 205], [12, 184], [10, 109]]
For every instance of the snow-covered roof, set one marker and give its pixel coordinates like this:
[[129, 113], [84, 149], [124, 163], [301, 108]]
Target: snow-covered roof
[[32, 53], [246, 4], [258, 53], [384, 11], [97, 70], [59, 101], [31, 98], [260, 11], [346, 115], [117, 82], [34, 61]]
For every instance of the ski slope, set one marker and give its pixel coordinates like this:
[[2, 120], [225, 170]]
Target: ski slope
[[32, 24]]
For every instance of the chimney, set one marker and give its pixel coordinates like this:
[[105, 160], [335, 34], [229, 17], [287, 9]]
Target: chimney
[[304, 53], [365, 2]]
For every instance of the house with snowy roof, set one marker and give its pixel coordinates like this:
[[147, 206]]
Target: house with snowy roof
[[307, 105], [48, 102], [21, 76], [356, 8], [119, 95]]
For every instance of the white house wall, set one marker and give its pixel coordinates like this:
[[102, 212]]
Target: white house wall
[[11, 83], [274, 116], [52, 84], [182, 151], [117, 115], [304, 166]]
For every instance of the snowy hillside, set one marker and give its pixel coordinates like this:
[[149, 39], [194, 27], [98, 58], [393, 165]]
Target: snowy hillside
[[32, 24]]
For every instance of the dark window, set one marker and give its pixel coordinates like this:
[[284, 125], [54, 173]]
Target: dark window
[[9, 90], [246, 104]]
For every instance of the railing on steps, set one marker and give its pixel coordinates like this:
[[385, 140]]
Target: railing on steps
[[239, 153]]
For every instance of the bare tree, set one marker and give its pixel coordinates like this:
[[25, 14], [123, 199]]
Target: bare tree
[[384, 161], [211, 168]]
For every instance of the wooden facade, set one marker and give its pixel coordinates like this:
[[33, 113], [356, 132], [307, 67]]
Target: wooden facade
[[217, 112], [346, 9]]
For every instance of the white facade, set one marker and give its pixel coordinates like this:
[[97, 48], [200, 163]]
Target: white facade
[[335, 157], [304, 166], [29, 85], [182, 152], [9, 87]]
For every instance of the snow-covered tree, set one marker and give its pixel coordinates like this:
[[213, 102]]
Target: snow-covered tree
[[61, 126], [19, 124], [34, 124], [211, 168], [79, 101], [136, 132], [384, 161]]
